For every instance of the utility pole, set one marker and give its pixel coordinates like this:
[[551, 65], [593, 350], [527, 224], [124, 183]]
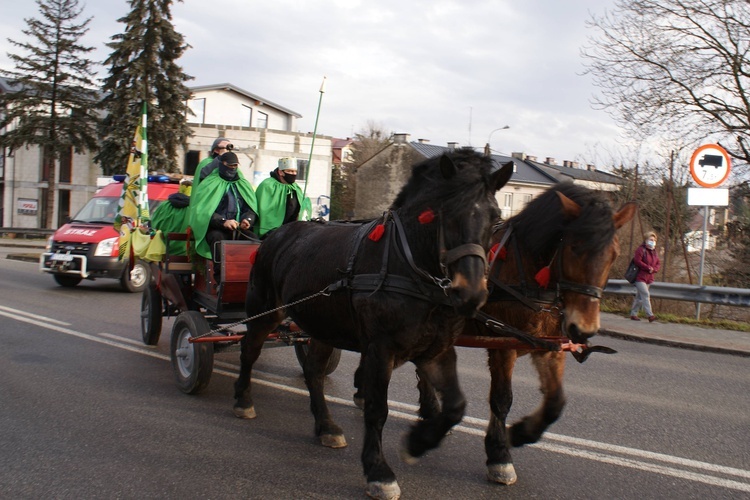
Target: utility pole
[[670, 199]]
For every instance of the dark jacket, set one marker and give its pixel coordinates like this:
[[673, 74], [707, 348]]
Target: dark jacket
[[646, 258]]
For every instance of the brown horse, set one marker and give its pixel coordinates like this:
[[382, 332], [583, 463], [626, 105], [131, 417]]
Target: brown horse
[[570, 231], [549, 265]]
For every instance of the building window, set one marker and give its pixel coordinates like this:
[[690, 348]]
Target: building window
[[301, 170], [508, 200], [525, 199], [192, 158], [247, 116], [198, 107], [66, 166], [63, 207], [262, 120]]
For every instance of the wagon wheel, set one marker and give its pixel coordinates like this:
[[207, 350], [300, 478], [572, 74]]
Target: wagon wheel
[[151, 315], [192, 364], [301, 351]]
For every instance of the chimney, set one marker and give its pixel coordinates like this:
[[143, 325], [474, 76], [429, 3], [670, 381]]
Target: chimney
[[531, 158], [519, 156], [452, 146], [550, 161], [590, 167], [423, 141], [573, 164], [566, 163], [400, 138]]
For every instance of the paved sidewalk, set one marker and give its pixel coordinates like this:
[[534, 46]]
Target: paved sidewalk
[[612, 325], [676, 334]]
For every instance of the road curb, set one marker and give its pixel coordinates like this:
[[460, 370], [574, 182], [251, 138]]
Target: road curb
[[674, 343]]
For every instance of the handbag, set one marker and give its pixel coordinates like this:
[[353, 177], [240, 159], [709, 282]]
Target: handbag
[[632, 272]]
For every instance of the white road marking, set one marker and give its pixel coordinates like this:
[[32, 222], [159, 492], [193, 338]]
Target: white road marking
[[30, 315], [572, 445]]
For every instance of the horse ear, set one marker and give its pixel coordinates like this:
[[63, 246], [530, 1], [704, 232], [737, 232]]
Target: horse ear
[[570, 208], [447, 167], [625, 213], [502, 176]]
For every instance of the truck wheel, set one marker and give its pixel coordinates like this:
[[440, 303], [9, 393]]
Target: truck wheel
[[67, 280], [137, 279], [192, 364], [333, 362], [151, 315]]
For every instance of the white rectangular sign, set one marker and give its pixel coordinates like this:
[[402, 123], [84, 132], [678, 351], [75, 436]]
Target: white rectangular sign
[[713, 197]]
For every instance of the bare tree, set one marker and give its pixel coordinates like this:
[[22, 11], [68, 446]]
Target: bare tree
[[678, 69]]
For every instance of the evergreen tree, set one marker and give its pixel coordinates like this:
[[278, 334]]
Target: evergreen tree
[[142, 67], [54, 105]]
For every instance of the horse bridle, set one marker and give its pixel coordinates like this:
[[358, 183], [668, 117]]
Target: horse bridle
[[447, 257], [562, 285]]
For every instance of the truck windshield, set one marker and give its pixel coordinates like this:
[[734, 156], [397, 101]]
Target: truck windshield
[[103, 209], [98, 209]]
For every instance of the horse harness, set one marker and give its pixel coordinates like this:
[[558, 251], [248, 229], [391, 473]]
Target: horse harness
[[420, 283], [534, 297]]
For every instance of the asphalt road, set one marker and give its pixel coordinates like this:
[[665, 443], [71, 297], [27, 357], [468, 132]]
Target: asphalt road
[[87, 411]]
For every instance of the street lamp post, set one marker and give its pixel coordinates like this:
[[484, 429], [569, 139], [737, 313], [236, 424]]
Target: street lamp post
[[487, 146]]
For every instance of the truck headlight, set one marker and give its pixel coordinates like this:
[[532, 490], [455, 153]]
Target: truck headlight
[[107, 248]]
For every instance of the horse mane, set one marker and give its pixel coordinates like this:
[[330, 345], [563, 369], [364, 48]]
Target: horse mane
[[427, 186], [542, 224]]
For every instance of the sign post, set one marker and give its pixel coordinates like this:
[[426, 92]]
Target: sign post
[[709, 166]]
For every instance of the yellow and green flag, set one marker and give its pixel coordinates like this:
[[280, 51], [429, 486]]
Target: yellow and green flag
[[132, 210]]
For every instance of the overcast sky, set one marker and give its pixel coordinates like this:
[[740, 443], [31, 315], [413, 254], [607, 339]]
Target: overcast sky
[[443, 70]]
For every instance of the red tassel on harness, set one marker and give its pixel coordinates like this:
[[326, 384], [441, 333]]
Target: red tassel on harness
[[427, 216], [253, 256], [377, 232], [542, 277], [498, 253]]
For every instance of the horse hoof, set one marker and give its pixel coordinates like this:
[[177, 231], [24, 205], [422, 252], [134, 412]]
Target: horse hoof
[[502, 473], [407, 457], [359, 403], [333, 441], [383, 491], [247, 413]]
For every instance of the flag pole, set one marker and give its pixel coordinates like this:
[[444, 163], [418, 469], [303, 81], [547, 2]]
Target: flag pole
[[312, 144]]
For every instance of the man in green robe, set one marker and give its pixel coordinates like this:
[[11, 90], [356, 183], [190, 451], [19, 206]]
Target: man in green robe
[[208, 164], [171, 216], [223, 206], [280, 199]]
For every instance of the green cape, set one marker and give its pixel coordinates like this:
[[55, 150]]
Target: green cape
[[171, 220], [197, 175], [206, 198], [272, 204]]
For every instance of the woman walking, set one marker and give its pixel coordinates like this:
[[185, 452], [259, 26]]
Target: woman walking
[[648, 264]]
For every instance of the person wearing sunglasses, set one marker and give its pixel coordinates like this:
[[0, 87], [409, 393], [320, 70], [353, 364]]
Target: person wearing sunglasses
[[280, 199], [207, 165]]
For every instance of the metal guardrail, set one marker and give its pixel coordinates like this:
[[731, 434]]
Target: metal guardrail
[[26, 233], [720, 295]]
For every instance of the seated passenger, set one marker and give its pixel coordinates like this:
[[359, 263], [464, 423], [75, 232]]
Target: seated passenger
[[223, 207], [172, 216], [280, 199]]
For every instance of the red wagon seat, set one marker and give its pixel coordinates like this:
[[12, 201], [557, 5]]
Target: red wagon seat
[[235, 269]]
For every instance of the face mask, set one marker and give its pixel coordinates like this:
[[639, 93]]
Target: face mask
[[226, 173], [290, 178], [651, 244]]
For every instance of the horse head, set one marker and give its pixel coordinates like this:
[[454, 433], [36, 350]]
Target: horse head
[[449, 202], [567, 240], [588, 249]]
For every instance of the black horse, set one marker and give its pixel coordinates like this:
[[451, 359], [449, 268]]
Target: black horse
[[397, 289]]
